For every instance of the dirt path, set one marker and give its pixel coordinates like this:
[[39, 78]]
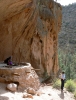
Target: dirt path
[[45, 93]]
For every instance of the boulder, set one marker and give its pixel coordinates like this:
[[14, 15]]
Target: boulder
[[12, 87]]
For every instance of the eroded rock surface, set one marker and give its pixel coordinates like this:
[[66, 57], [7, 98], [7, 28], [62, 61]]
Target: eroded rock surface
[[22, 75], [29, 32]]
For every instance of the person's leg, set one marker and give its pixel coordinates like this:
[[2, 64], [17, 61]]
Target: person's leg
[[62, 84]]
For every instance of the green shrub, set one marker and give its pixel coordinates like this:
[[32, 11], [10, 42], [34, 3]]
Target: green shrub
[[70, 86], [57, 84], [75, 81]]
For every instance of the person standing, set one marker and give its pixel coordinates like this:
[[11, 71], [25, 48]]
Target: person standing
[[62, 80]]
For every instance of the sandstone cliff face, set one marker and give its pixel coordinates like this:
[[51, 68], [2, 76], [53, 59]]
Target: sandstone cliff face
[[29, 32]]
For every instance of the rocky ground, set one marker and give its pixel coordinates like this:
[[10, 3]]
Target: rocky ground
[[46, 92]]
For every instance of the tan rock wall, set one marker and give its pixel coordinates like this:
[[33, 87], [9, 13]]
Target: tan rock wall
[[29, 31]]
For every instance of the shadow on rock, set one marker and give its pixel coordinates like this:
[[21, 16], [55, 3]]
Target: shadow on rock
[[4, 98]]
